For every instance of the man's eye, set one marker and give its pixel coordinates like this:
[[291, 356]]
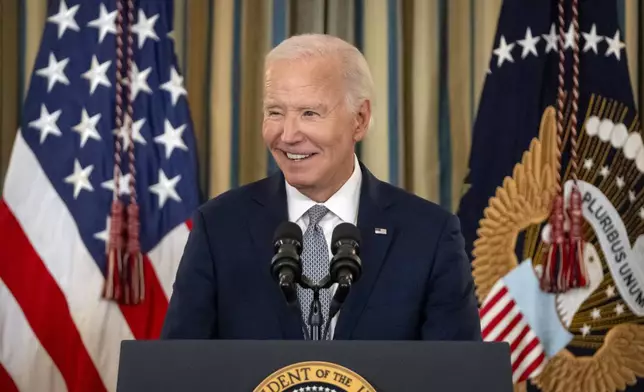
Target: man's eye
[[310, 113], [273, 113]]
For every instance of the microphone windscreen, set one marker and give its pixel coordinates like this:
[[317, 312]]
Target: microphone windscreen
[[345, 231], [288, 230]]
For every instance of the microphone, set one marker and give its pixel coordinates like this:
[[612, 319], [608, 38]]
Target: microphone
[[346, 266], [286, 266]]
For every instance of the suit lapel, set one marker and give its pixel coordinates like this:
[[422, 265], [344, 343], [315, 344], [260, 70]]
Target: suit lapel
[[373, 250], [267, 213]]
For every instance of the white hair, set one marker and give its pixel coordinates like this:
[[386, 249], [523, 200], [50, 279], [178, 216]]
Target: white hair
[[355, 70]]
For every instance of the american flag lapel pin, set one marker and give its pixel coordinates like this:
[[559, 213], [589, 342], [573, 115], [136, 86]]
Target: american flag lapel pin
[[380, 230]]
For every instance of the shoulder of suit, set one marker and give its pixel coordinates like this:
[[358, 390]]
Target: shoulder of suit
[[413, 206], [232, 201]]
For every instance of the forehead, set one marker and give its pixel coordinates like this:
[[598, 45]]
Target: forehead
[[301, 79]]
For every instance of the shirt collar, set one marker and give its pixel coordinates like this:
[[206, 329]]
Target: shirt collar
[[344, 203]]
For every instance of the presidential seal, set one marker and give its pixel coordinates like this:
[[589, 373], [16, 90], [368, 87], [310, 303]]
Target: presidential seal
[[569, 335], [314, 377]]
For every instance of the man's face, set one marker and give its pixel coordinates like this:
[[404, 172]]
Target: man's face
[[308, 127]]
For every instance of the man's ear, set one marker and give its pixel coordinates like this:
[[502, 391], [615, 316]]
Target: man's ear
[[363, 116]]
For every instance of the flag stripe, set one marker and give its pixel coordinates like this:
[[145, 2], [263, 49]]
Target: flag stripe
[[516, 363], [498, 291], [497, 318], [165, 255], [510, 327], [533, 366], [54, 236], [6, 383], [21, 346], [519, 339], [45, 308]]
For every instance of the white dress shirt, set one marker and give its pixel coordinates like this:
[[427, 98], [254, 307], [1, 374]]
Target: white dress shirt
[[343, 207]]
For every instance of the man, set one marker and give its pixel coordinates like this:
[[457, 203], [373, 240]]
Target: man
[[416, 281]]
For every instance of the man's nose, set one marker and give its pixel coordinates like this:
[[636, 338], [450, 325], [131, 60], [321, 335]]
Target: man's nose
[[291, 133]]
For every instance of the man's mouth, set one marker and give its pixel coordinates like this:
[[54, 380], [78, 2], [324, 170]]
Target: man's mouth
[[297, 157]]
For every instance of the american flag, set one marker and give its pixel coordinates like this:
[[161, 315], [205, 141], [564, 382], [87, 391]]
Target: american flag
[[57, 332]]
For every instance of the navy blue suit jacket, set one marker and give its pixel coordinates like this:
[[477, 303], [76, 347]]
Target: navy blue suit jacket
[[416, 282]]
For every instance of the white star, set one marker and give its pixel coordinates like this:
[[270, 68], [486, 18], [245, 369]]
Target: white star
[[551, 39], [46, 124], [570, 37], [585, 330], [631, 196], [503, 52], [596, 314], [174, 86], [105, 23], [105, 234], [136, 132], [96, 74], [140, 82], [604, 172], [529, 44], [87, 127], [144, 28], [619, 181], [54, 71], [171, 138], [642, 213], [65, 18], [619, 309], [588, 163], [124, 184], [615, 46], [610, 291], [80, 178], [165, 188], [592, 39]]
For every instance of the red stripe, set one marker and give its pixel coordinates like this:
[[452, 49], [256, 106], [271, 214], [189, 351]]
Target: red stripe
[[515, 343], [44, 306], [146, 319], [497, 319], [493, 301], [6, 382], [524, 353], [510, 327], [533, 366], [189, 224]]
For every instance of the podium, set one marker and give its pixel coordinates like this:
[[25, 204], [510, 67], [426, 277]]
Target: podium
[[318, 366]]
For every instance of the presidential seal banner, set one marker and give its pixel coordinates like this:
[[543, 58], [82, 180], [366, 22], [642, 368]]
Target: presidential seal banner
[[557, 155]]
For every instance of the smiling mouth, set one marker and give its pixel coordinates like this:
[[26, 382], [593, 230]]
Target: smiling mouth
[[297, 157]]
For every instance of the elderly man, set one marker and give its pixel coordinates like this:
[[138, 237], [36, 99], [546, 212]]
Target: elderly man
[[416, 281]]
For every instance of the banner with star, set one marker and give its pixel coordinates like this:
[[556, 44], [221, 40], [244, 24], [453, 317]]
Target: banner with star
[[557, 157]]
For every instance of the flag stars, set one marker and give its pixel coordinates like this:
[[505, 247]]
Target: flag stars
[[591, 39], [642, 213], [171, 138], [503, 52], [588, 163], [80, 178], [569, 42], [165, 188], [47, 123], [615, 46], [124, 185], [604, 172], [174, 86], [631, 196], [139, 81], [87, 127], [619, 181], [585, 330], [144, 28], [596, 314], [65, 18], [136, 132], [551, 39], [619, 309], [54, 72], [105, 23], [96, 74], [610, 291], [105, 234], [529, 44]]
